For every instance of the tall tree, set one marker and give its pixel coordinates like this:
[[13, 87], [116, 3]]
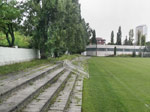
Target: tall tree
[[131, 35], [94, 41], [143, 41], [139, 38], [8, 15], [126, 41], [57, 26], [112, 38], [119, 36]]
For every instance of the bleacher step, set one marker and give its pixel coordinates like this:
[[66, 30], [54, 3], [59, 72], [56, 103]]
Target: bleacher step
[[63, 98], [22, 97], [12, 86], [76, 98], [42, 102]]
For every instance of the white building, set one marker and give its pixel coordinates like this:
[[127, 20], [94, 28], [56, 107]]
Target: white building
[[143, 30], [107, 50]]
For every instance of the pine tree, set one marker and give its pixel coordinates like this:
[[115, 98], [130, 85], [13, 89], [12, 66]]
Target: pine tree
[[126, 42], [131, 34], [112, 38], [139, 38], [119, 36], [94, 41]]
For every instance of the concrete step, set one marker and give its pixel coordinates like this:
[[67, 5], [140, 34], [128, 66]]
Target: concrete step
[[76, 98], [16, 75], [42, 102], [11, 86], [22, 97], [63, 99]]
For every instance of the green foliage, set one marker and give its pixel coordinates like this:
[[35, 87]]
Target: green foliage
[[64, 57], [143, 41], [94, 41], [126, 41], [115, 51], [119, 36], [133, 54], [21, 66], [112, 38], [20, 40], [8, 15], [139, 38], [131, 35], [148, 43], [57, 26], [3, 41]]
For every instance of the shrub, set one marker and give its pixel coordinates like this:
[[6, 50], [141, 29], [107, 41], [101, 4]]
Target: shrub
[[134, 54], [115, 50]]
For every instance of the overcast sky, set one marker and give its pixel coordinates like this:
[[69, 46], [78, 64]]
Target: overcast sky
[[107, 15]]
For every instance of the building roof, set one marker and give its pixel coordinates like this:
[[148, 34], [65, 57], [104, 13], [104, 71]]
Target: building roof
[[99, 38]]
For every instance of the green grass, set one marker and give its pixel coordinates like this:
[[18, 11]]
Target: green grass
[[25, 65], [68, 57], [21, 66], [117, 85]]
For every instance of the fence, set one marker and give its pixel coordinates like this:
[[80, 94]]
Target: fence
[[15, 55]]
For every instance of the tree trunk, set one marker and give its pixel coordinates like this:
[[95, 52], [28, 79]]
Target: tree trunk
[[7, 37], [11, 31], [43, 54]]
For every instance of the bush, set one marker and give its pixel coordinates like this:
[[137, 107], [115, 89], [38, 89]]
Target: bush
[[20, 40], [115, 50], [134, 54]]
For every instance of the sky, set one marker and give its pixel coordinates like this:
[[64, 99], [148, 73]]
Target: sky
[[107, 15]]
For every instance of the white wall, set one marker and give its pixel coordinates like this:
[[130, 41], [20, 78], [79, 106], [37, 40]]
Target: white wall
[[14, 55], [108, 53]]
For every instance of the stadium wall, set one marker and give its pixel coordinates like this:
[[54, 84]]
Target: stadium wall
[[15, 55], [107, 50]]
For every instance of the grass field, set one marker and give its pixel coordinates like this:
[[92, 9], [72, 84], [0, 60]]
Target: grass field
[[117, 85]]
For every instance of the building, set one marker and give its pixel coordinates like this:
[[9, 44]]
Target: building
[[143, 30], [100, 41], [107, 50]]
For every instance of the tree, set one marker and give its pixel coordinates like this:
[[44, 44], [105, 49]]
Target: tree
[[57, 26], [148, 43], [139, 38], [126, 41], [94, 41], [115, 51], [112, 38], [143, 40], [131, 34], [8, 14], [119, 36]]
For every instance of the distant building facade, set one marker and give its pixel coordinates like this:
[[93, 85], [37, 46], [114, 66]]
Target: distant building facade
[[143, 31], [100, 41], [107, 50]]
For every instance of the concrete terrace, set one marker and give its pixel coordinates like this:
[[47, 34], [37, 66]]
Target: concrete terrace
[[52, 88]]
